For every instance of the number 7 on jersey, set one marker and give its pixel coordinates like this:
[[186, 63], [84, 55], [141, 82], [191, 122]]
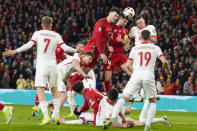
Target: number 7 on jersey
[[46, 41]]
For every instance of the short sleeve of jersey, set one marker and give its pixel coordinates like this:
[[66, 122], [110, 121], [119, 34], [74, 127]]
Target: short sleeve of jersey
[[153, 32], [76, 57], [132, 32], [59, 40], [131, 55], [159, 52], [34, 36]]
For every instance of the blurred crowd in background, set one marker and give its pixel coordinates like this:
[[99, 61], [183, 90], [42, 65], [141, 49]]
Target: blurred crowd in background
[[175, 22]]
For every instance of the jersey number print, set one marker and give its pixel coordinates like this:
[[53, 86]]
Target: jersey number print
[[144, 56], [46, 41]]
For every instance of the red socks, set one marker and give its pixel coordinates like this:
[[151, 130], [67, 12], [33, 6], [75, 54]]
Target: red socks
[[36, 101], [1, 106]]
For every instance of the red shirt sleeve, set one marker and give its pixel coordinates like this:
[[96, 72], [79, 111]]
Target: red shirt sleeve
[[98, 36], [85, 106]]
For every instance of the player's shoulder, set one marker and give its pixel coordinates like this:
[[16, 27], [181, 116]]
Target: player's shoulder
[[151, 26], [134, 28]]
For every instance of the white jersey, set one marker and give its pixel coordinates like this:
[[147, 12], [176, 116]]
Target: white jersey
[[46, 43], [66, 65], [144, 57], [105, 111], [136, 32]]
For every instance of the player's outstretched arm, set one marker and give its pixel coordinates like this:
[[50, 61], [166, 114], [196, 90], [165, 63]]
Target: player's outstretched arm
[[23, 48], [76, 65], [67, 48], [166, 65]]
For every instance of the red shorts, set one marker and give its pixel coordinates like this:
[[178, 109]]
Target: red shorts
[[117, 59]]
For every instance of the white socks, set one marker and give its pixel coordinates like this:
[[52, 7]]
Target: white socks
[[156, 120], [118, 108], [5, 108], [143, 114], [44, 108], [151, 114], [80, 121], [56, 104]]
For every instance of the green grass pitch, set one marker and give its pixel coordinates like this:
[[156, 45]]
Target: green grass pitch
[[22, 120]]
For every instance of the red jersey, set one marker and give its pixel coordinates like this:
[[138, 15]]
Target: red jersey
[[92, 98], [121, 33], [60, 56], [100, 36]]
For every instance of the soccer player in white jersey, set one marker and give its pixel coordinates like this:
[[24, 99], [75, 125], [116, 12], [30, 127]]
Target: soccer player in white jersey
[[46, 42], [143, 57], [69, 66], [135, 31]]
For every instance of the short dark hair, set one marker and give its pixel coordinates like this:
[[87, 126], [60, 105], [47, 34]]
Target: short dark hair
[[115, 9], [113, 94], [77, 86], [83, 42], [89, 53], [138, 17], [145, 34]]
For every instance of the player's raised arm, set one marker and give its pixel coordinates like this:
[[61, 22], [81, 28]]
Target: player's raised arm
[[23, 48]]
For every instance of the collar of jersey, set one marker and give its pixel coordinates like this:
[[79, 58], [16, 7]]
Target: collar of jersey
[[46, 29], [143, 28], [144, 42]]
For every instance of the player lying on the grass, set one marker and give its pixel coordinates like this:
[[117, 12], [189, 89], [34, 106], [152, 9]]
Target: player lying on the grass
[[106, 107], [143, 58], [115, 52], [7, 111], [92, 97], [46, 42]]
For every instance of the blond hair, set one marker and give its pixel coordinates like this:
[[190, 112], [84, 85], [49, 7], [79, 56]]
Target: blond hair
[[47, 21]]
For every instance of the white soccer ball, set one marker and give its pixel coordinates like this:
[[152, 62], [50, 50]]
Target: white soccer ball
[[129, 13]]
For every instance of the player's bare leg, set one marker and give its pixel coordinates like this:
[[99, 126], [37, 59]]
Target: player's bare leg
[[56, 104], [107, 82], [43, 105]]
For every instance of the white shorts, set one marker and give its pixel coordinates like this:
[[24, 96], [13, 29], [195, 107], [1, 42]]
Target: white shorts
[[46, 76], [136, 83], [90, 83], [60, 76], [87, 117]]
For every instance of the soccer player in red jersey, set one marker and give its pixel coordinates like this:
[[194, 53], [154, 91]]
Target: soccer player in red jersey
[[116, 45], [92, 97], [101, 35], [7, 110]]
